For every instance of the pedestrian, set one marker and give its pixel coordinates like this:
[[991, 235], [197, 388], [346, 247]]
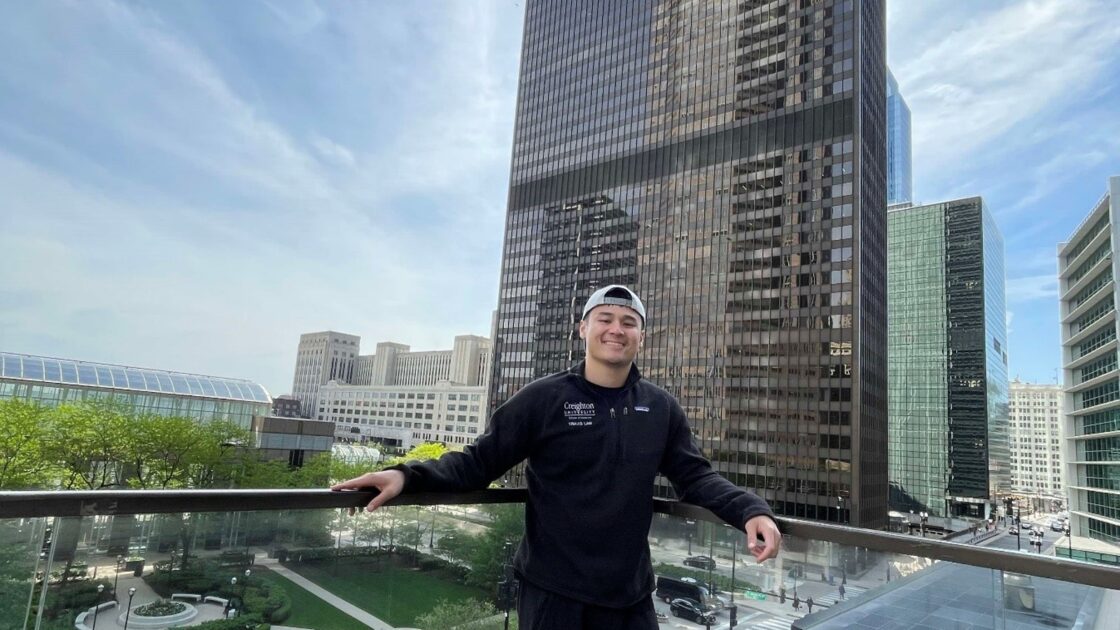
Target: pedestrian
[[595, 437], [796, 602], [782, 595], [841, 591], [809, 604]]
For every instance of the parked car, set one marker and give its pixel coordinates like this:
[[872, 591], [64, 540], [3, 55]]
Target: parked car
[[692, 610], [669, 588], [700, 562], [1014, 529], [1057, 525]]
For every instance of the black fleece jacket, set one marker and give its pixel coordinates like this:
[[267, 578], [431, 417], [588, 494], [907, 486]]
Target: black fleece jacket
[[591, 469]]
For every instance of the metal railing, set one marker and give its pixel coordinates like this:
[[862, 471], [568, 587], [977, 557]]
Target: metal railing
[[116, 502]]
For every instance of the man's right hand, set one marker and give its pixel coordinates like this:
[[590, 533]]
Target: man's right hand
[[388, 483]]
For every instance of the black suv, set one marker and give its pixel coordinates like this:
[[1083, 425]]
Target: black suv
[[700, 562], [690, 609]]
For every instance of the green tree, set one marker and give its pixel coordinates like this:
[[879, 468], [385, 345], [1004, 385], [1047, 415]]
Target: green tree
[[421, 452], [488, 551], [23, 432], [162, 451], [221, 457], [461, 614], [88, 442]]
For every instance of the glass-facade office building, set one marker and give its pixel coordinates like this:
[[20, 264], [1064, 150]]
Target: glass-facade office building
[[900, 175], [949, 443], [53, 382], [1091, 377], [728, 161]]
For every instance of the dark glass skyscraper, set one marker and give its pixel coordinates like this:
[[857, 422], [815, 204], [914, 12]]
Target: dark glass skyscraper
[[949, 443], [728, 161]]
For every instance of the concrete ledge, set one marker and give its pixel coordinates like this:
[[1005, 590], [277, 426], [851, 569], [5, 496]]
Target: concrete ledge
[[213, 599], [191, 596], [80, 621]]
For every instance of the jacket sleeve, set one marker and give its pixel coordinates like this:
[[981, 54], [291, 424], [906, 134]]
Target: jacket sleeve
[[698, 483], [504, 444]]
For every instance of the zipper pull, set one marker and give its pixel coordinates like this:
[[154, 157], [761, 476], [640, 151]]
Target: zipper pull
[[612, 412], [625, 410]]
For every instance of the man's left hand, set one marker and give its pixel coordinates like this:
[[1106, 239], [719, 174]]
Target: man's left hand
[[765, 528]]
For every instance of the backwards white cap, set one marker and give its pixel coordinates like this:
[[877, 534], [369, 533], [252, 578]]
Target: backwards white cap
[[618, 295]]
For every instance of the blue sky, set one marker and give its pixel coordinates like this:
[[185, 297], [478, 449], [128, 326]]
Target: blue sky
[[191, 185]]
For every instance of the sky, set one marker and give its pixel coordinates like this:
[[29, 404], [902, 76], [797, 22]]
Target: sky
[[191, 185]]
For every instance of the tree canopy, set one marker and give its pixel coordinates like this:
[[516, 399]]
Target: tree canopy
[[99, 445]]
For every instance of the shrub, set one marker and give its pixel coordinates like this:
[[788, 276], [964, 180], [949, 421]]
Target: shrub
[[77, 595], [282, 613]]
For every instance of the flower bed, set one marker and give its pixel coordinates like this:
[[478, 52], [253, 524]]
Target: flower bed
[[160, 608], [159, 614]]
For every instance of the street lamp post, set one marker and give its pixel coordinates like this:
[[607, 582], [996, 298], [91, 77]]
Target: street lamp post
[[127, 614], [1018, 532], [506, 589], [432, 530], [925, 517], [97, 604], [116, 578], [233, 592], [1069, 539], [734, 558], [244, 586], [712, 559]]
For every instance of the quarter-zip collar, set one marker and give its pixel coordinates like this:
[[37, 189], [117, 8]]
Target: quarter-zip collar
[[577, 370]]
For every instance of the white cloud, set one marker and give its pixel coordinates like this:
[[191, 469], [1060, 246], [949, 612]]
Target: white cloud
[[332, 151], [203, 229], [1049, 176], [969, 86], [1029, 288]]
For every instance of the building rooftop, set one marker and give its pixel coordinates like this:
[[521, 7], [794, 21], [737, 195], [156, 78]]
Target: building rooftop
[[39, 369]]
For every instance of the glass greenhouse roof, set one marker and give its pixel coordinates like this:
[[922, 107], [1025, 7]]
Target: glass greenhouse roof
[[47, 370]]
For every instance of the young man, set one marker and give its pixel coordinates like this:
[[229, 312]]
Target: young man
[[595, 437]]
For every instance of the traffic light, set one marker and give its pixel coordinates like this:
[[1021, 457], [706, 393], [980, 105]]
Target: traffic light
[[734, 616]]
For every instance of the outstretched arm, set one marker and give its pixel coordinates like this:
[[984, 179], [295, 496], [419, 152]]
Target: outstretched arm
[[698, 483], [504, 444]]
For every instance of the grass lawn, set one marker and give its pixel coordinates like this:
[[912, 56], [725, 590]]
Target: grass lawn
[[308, 611], [394, 594]]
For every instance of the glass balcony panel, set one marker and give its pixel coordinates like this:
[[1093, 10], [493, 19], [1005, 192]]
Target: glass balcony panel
[[325, 569], [312, 569], [855, 587]]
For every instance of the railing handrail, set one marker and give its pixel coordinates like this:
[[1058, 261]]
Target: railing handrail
[[28, 504]]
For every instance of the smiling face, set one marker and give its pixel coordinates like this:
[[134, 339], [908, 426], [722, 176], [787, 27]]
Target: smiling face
[[613, 335]]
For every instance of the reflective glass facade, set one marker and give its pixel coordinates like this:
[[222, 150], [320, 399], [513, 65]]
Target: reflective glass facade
[[900, 175], [1091, 381], [949, 447], [57, 381], [728, 161]]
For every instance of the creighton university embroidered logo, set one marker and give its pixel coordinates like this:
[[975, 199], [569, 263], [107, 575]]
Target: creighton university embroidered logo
[[579, 414]]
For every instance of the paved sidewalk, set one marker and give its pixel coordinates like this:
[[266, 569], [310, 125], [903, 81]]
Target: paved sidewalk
[[323, 594]]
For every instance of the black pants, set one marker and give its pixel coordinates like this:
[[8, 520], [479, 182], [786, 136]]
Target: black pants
[[538, 609]]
